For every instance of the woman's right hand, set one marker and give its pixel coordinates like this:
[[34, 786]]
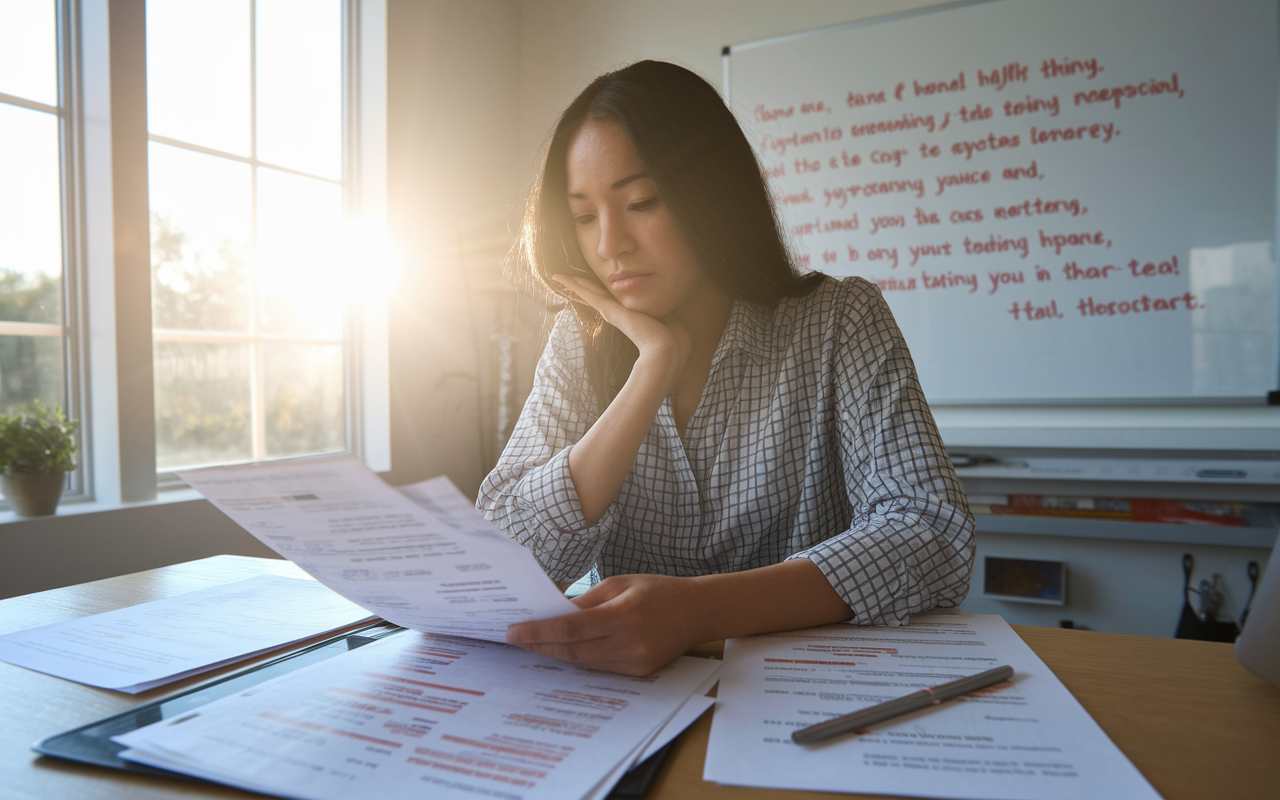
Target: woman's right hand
[[664, 345]]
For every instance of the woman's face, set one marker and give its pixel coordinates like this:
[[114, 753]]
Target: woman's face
[[625, 231]]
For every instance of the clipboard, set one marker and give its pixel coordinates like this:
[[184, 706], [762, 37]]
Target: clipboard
[[92, 744]]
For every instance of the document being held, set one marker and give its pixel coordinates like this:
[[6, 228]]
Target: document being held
[[421, 557], [1024, 739]]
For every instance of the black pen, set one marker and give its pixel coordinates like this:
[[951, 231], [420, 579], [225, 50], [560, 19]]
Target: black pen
[[899, 706]]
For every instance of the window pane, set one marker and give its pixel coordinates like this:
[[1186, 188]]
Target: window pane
[[305, 409], [198, 72], [30, 216], [202, 404], [29, 50], [299, 264], [201, 229], [30, 369], [300, 85]]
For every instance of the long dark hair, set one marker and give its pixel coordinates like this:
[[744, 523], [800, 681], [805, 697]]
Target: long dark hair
[[709, 178]]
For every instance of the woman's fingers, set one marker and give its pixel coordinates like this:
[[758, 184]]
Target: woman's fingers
[[630, 624]]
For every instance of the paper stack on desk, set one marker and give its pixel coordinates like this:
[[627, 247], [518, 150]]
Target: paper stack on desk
[[151, 644], [426, 713], [1024, 739], [420, 715]]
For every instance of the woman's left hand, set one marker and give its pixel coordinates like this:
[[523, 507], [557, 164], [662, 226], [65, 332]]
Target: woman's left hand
[[633, 624]]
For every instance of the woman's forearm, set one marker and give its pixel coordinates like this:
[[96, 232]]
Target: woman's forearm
[[600, 461], [786, 596]]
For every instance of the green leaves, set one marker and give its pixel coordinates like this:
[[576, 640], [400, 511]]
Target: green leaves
[[37, 441]]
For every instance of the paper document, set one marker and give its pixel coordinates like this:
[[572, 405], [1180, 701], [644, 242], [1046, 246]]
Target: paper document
[[423, 558], [420, 715], [140, 647], [1027, 738]]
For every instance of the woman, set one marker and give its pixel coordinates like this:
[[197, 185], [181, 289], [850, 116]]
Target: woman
[[737, 447]]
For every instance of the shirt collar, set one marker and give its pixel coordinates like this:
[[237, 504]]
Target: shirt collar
[[750, 329]]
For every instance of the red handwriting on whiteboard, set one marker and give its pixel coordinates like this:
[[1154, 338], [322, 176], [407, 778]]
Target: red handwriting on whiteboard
[[825, 226], [926, 217], [996, 244], [895, 285], [921, 251], [1074, 272], [846, 193], [856, 99], [1053, 68], [1014, 72], [1060, 240], [1036, 207], [992, 142], [888, 156], [950, 280], [792, 198], [894, 221], [906, 122], [1129, 91], [1032, 105], [884, 254], [769, 114], [779, 144], [844, 160], [1030, 311], [935, 87], [966, 215], [1018, 173], [1151, 269], [1088, 307], [962, 179], [978, 113], [1098, 130], [999, 278]]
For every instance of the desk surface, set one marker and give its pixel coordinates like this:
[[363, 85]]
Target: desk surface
[[1194, 721]]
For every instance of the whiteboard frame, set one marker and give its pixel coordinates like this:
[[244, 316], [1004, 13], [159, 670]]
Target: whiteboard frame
[[1273, 396]]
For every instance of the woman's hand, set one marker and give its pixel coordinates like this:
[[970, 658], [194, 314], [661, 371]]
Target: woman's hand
[[659, 341], [633, 624]]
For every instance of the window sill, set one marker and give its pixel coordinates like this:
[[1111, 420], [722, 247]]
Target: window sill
[[75, 507]]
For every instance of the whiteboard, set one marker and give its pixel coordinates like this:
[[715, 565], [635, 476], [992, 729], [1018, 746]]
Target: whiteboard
[[1061, 201]]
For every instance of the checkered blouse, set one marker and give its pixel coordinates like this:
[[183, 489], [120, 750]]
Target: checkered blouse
[[812, 440]]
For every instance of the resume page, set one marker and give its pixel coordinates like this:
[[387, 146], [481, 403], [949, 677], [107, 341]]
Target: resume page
[[421, 715], [1023, 739], [423, 559], [141, 647]]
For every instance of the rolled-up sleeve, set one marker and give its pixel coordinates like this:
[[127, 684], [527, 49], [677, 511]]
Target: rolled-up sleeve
[[911, 542], [530, 494]]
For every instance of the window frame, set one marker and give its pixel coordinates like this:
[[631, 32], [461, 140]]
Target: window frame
[[108, 342]]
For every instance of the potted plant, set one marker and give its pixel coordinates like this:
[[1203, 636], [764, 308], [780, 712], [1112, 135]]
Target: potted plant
[[37, 450]]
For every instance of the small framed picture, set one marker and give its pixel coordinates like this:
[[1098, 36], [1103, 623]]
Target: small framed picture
[[1024, 580]]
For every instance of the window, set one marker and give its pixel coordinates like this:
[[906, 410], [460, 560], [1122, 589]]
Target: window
[[246, 169], [33, 338], [246, 181]]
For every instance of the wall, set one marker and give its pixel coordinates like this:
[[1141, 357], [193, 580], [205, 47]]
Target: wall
[[452, 99]]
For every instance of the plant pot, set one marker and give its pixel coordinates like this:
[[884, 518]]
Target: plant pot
[[33, 494]]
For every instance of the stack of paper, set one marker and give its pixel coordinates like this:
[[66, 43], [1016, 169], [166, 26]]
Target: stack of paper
[[421, 715], [148, 645], [1025, 739], [427, 714]]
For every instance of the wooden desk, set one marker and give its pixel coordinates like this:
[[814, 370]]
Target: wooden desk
[[1193, 720]]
